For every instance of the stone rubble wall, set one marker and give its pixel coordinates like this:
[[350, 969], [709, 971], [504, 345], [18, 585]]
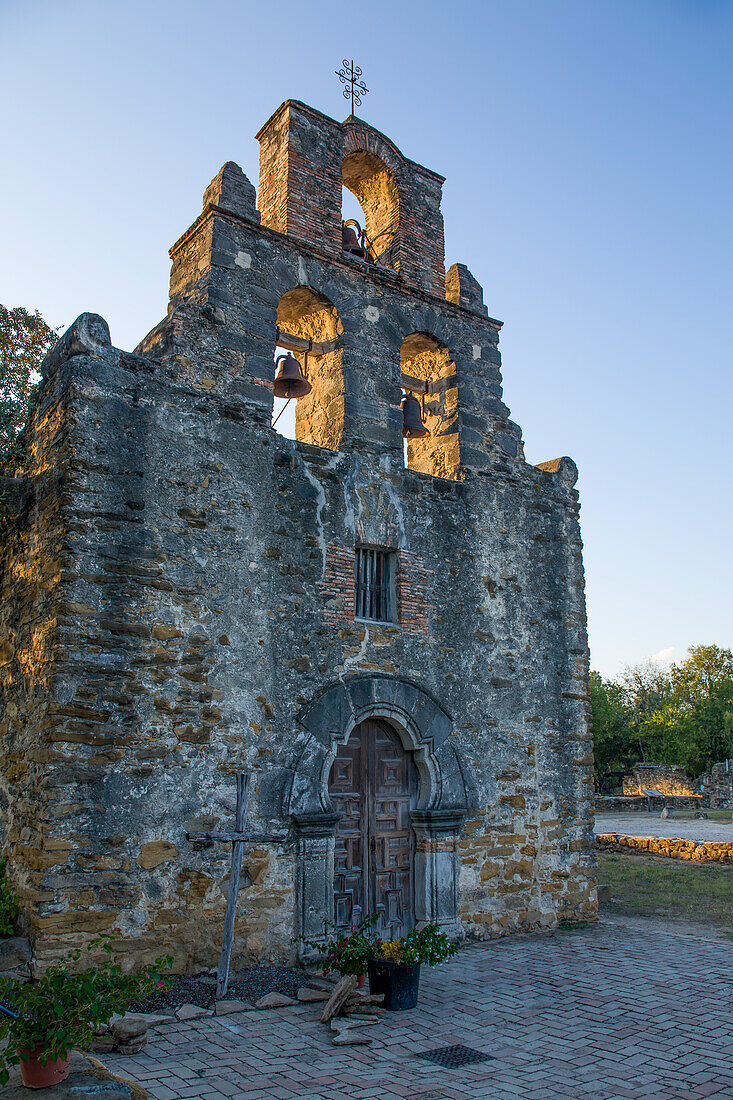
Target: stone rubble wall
[[707, 851], [713, 790], [32, 564], [665, 778], [631, 804], [717, 786]]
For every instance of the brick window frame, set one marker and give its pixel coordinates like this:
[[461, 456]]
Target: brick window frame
[[376, 570]]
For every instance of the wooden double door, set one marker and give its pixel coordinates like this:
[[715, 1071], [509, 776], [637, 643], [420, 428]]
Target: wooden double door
[[373, 786]]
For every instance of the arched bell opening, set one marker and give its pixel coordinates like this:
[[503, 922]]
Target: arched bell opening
[[308, 331], [370, 231], [429, 376]]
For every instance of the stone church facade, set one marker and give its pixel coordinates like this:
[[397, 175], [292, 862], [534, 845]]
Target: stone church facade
[[180, 588]]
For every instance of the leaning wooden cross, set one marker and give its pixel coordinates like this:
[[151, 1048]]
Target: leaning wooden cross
[[237, 837]]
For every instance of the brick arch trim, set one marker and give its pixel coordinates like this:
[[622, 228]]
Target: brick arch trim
[[360, 136]]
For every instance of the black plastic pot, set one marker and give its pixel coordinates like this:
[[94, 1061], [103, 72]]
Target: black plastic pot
[[399, 982]]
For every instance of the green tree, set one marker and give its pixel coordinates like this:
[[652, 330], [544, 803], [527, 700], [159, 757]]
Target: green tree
[[613, 745], [647, 691], [677, 715], [24, 340], [700, 714]]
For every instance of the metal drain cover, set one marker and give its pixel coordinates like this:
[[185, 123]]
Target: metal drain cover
[[454, 1056]]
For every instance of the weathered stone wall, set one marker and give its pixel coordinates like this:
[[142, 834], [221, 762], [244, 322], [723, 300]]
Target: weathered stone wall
[[665, 778], [714, 788], [192, 595], [717, 786], [33, 559]]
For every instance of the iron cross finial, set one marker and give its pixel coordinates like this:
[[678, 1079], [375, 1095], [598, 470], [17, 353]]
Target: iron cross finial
[[350, 75]]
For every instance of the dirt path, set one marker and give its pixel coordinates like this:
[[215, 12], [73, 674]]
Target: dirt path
[[654, 825]]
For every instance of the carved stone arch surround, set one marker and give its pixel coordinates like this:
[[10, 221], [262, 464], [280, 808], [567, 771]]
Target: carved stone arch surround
[[447, 793]]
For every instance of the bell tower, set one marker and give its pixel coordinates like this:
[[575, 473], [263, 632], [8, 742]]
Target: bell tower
[[368, 325]]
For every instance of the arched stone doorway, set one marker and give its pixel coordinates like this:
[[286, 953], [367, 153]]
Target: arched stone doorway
[[445, 793], [373, 786]]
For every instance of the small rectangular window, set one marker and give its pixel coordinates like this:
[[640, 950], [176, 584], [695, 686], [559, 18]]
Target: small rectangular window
[[373, 573]]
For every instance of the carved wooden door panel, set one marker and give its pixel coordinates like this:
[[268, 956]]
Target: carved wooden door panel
[[373, 785], [350, 870], [394, 794]]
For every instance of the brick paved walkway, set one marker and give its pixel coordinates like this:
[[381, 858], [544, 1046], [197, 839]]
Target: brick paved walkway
[[603, 1013]]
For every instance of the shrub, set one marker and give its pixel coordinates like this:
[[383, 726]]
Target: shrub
[[422, 945], [62, 1010], [8, 903], [348, 952]]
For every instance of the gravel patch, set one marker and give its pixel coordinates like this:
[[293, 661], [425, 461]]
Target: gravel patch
[[244, 985]]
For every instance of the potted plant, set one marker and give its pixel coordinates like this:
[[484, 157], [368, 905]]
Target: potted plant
[[394, 966], [45, 1020], [347, 952]]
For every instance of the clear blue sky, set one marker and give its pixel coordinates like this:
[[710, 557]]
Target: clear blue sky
[[587, 150]]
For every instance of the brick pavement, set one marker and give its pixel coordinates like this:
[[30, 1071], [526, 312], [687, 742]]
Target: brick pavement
[[606, 1013]]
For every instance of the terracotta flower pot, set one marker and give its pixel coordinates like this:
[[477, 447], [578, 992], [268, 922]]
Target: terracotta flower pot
[[360, 981], [36, 1076]]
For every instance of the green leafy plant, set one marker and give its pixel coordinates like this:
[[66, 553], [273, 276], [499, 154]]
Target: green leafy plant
[[62, 1009], [24, 340], [426, 945], [8, 903], [349, 953]]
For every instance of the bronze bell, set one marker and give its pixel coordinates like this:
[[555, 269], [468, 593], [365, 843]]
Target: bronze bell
[[412, 425], [349, 239], [290, 380], [353, 240]]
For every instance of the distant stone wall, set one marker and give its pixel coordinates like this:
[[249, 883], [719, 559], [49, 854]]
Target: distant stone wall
[[637, 804], [717, 786], [700, 851], [665, 778]]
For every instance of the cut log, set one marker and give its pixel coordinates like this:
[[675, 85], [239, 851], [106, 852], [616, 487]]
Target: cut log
[[338, 998]]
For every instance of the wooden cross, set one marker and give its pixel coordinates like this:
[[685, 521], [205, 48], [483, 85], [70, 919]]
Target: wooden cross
[[237, 837]]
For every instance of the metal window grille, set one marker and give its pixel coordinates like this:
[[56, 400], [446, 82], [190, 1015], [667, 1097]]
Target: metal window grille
[[373, 575]]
